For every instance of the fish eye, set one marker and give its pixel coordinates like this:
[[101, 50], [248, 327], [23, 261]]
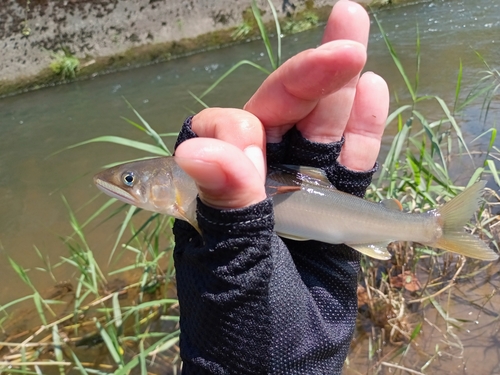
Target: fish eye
[[128, 178]]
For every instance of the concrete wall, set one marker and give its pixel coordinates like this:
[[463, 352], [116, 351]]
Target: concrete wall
[[31, 29]]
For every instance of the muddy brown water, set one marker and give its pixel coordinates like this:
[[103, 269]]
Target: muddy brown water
[[36, 124]]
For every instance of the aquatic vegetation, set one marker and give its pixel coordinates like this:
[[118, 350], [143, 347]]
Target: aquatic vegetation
[[301, 22], [246, 27], [242, 31], [64, 64]]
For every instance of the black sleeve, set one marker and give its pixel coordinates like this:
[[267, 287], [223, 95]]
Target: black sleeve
[[252, 303]]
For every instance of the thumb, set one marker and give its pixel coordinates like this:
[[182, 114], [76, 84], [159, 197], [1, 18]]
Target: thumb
[[225, 176]]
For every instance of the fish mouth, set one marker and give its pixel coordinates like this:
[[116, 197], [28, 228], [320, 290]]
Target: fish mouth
[[114, 191]]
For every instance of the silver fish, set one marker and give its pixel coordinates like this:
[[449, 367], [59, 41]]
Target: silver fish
[[308, 207]]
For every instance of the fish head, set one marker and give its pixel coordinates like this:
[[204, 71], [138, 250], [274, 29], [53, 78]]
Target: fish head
[[147, 184]]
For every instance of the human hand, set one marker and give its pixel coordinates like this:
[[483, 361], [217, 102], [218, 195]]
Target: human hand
[[319, 90]]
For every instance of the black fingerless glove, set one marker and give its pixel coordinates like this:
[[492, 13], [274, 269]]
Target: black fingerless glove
[[252, 303]]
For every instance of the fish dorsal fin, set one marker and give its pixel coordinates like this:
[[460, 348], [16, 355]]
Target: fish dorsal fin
[[374, 250], [392, 204], [298, 175], [314, 175]]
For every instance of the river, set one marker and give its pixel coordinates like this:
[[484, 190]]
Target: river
[[37, 124]]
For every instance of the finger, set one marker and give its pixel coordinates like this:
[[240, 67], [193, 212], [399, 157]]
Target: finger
[[293, 90], [237, 127], [225, 177], [327, 121], [348, 20], [366, 123]]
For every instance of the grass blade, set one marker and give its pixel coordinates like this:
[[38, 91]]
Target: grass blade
[[120, 141], [150, 131], [124, 225], [396, 60], [450, 117], [110, 344], [278, 32], [57, 348], [232, 69], [458, 86], [78, 364], [263, 34], [117, 312]]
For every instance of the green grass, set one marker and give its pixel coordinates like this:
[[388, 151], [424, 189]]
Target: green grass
[[416, 171], [64, 64], [133, 327]]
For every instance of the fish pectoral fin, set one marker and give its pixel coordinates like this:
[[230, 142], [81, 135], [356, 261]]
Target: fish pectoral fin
[[188, 213], [194, 224], [291, 237], [189, 218], [392, 204], [374, 250]]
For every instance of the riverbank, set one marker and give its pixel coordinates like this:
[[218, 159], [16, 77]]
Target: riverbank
[[47, 42]]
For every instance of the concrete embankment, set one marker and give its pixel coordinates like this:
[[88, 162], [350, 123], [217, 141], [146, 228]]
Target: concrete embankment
[[113, 34]]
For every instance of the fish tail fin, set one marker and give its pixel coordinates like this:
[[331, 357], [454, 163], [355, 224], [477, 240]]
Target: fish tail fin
[[454, 215]]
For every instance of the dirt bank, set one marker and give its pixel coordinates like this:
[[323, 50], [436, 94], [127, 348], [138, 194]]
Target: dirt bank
[[110, 34]]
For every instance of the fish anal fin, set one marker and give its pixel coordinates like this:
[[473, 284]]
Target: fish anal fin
[[291, 237], [374, 250], [392, 204]]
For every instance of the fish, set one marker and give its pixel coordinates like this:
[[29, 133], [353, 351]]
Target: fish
[[308, 207]]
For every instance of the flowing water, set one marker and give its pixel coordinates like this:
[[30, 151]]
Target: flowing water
[[37, 124]]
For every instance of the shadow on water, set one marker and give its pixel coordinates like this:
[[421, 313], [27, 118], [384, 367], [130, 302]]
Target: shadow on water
[[36, 124]]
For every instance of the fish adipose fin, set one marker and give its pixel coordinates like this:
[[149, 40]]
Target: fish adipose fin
[[375, 250], [453, 216]]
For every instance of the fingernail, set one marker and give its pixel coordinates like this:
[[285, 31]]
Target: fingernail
[[256, 156]]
